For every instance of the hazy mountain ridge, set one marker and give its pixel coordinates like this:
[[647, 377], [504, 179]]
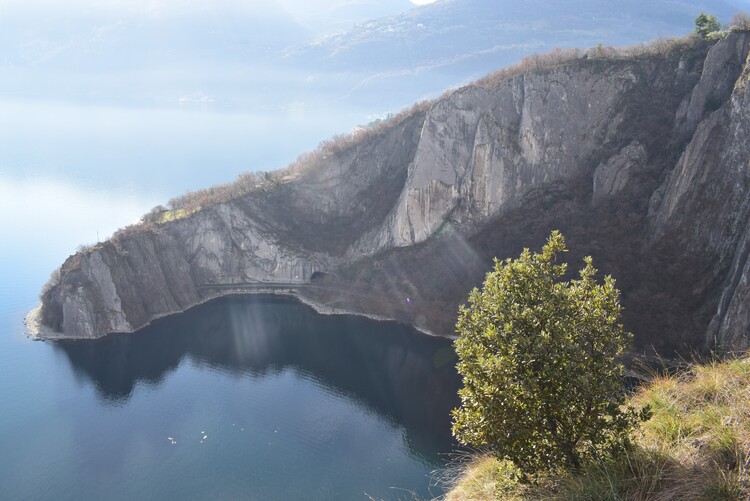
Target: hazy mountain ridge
[[616, 152], [68, 39], [453, 41], [382, 63]]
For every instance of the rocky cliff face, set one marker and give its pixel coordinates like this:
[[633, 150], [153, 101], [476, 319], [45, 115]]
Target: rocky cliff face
[[705, 201], [642, 161]]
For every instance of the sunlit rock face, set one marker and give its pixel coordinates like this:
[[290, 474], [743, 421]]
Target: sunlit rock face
[[641, 161], [612, 176], [483, 150]]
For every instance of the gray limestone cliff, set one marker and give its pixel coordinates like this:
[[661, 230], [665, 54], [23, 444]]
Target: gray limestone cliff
[[642, 161]]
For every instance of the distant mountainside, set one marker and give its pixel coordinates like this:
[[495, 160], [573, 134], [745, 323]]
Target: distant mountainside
[[230, 52], [639, 156], [101, 38], [452, 41], [334, 15]]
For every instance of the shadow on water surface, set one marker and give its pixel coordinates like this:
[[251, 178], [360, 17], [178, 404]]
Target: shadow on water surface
[[405, 377]]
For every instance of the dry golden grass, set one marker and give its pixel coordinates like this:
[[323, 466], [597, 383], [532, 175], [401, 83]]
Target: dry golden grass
[[696, 446], [484, 478], [166, 216]]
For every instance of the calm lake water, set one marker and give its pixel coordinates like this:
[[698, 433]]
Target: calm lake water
[[244, 397]]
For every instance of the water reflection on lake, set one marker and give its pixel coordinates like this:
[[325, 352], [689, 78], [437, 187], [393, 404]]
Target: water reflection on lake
[[363, 405]]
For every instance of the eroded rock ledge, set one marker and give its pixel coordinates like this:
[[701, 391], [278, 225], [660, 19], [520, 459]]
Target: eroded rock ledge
[[641, 161]]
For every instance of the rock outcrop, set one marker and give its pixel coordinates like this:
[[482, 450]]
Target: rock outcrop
[[642, 161]]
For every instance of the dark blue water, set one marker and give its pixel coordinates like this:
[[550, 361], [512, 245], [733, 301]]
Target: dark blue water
[[244, 397]]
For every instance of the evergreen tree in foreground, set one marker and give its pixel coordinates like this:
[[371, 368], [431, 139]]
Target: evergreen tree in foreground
[[541, 385]]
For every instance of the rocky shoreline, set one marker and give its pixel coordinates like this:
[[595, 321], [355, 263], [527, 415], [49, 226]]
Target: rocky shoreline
[[36, 330]]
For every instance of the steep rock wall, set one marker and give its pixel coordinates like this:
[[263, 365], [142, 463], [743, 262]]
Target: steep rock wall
[[121, 286], [482, 149], [705, 202]]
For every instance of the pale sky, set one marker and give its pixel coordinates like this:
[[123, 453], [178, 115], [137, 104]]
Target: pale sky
[[314, 14], [292, 5]]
